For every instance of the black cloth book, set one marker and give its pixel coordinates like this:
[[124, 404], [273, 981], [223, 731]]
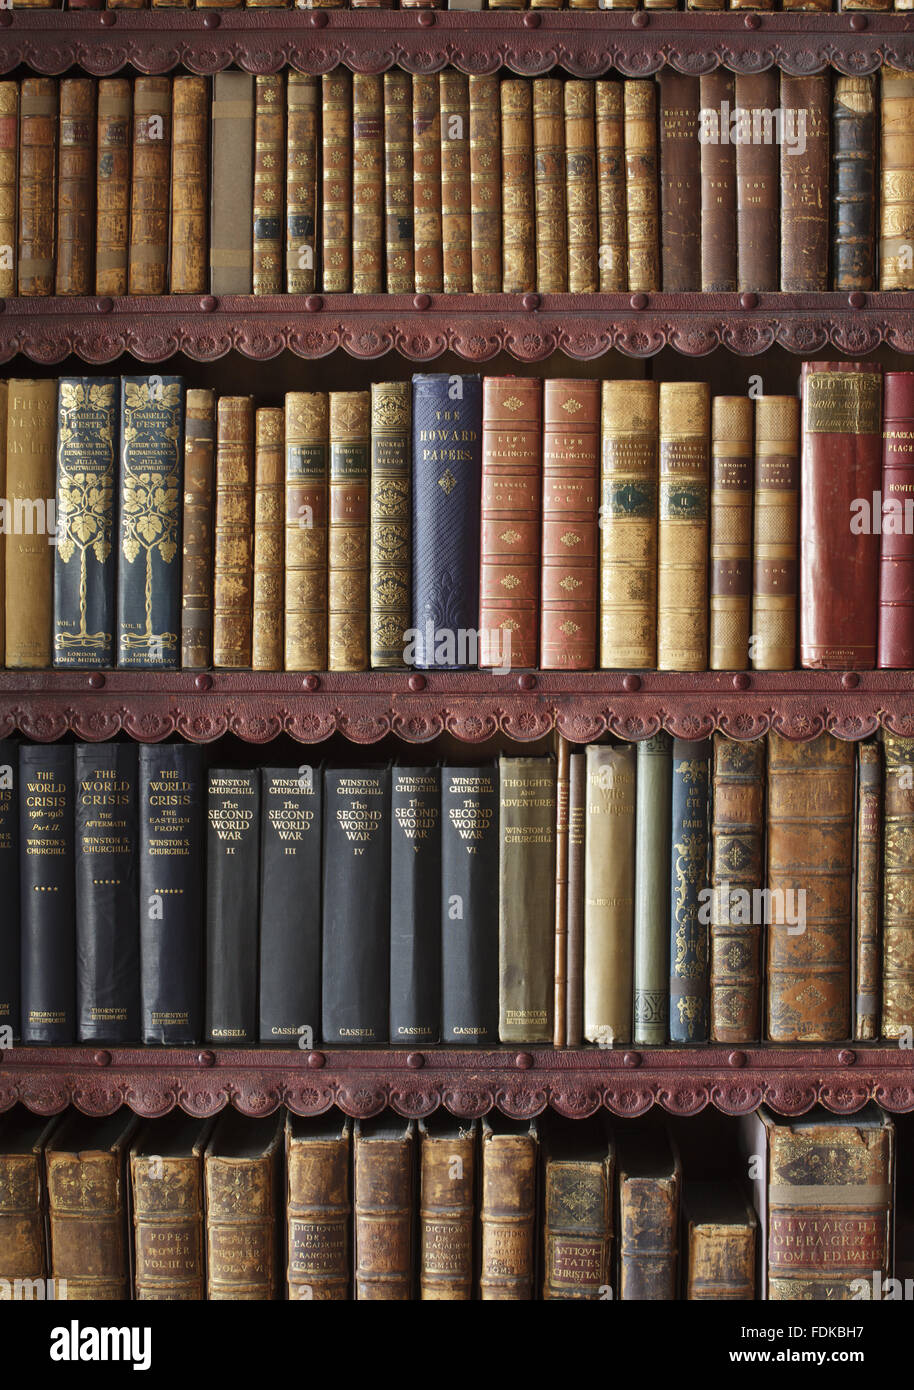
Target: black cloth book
[[9, 886], [469, 905], [290, 905], [232, 902], [415, 905], [48, 895]]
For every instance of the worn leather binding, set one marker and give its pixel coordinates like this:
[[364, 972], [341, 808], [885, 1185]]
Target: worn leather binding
[[868, 892], [508, 1212], [571, 428], [166, 1185], [526, 935], [10, 986], [641, 185], [301, 182], [384, 1180], [731, 532], [485, 183], [233, 574], [197, 529], [456, 216], [47, 795], [896, 227], [415, 894], [581, 187], [75, 186], [897, 885], [757, 183], [31, 430], [560, 981], [4, 421], [512, 487], [680, 180], [469, 905], [389, 594], [318, 1206], [720, 1231], [428, 256], [853, 182], [446, 1207], [112, 184], [189, 185], [653, 808], [269, 516], [628, 533], [149, 187], [367, 183], [574, 950], [839, 562], [650, 1184], [291, 801], [307, 435], [609, 893], [398, 182], [775, 519], [242, 1170], [689, 936], [518, 221], [37, 185], [717, 166], [232, 875], [810, 850], [86, 1162], [347, 543], [549, 186], [804, 182], [896, 565], [682, 544], [85, 557], [579, 1159], [23, 1140], [9, 180], [737, 836], [269, 143], [612, 219], [232, 172]]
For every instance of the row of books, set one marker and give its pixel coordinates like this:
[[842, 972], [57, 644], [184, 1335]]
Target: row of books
[[318, 1209], [440, 182], [453, 521]]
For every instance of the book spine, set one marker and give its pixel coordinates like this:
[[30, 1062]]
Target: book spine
[[517, 173], [896, 564], [428, 250], [853, 183], [241, 1202], [9, 184], [233, 574], [560, 977], [574, 950], [23, 1218], [641, 185], [896, 166], [389, 595], [682, 545], [336, 181], [897, 899], [168, 1227], [30, 486], [757, 185], [446, 1214], [318, 1209], [721, 1260], [680, 180], [301, 182], [805, 111], [232, 873], [737, 830], [717, 160], [86, 1195], [10, 954], [469, 905], [571, 443], [383, 1183], [76, 186], [269, 513], [526, 919], [415, 889], [398, 181], [868, 891], [232, 170], [189, 185], [290, 904], [549, 186], [653, 839], [47, 795], [485, 183], [508, 1215], [609, 892], [347, 538], [37, 185], [367, 183], [581, 187], [628, 524], [112, 185], [4, 423], [454, 100], [731, 532], [577, 1228], [612, 217], [197, 530], [269, 142], [150, 186], [307, 505], [776, 506], [688, 878], [648, 1237]]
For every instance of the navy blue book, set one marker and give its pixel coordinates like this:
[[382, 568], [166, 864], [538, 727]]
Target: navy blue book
[[290, 905], [446, 502], [689, 914], [47, 795], [9, 885], [232, 902], [415, 905], [469, 905]]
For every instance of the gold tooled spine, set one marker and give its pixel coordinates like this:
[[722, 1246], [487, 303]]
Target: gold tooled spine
[[868, 891], [427, 184], [641, 185], [367, 183], [269, 139], [9, 168], [390, 522], [197, 530], [682, 542], [485, 184], [347, 543], [518, 223], [76, 186], [307, 435], [301, 182], [336, 181], [611, 213], [581, 187], [731, 532], [455, 181], [398, 181], [150, 186], [37, 185], [189, 185], [775, 515], [896, 263], [269, 511], [232, 567], [628, 530], [112, 185], [549, 186], [898, 888]]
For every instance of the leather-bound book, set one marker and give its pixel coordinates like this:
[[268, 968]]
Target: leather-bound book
[[682, 544], [367, 183], [85, 557], [839, 556], [76, 186], [269, 142], [415, 905], [170, 799], [628, 533], [775, 523], [232, 919], [242, 1170], [653, 840], [469, 905], [642, 185], [680, 180], [549, 186], [35, 258], [47, 885], [197, 529], [301, 182], [166, 1187], [571, 464], [389, 580], [447, 1185], [896, 164], [823, 1194], [23, 1254], [896, 567], [518, 222], [853, 182], [86, 1159], [720, 1234], [112, 184], [579, 1160], [717, 164], [384, 1180], [897, 882], [560, 974], [526, 934], [10, 985], [689, 1004], [427, 244], [150, 185], [508, 1211], [9, 180], [347, 539], [291, 801], [512, 487], [269, 538], [574, 948], [318, 1206], [398, 182], [31, 432], [609, 893], [233, 571], [868, 892], [456, 235], [810, 863], [756, 96], [307, 436], [485, 183], [4, 421], [189, 184], [581, 187], [649, 1187], [731, 532], [737, 837], [612, 218], [804, 182], [232, 181]]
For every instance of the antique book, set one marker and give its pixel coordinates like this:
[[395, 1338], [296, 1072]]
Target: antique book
[[267, 219], [560, 971], [612, 218], [641, 185], [689, 936], [86, 1164], [579, 1159], [805, 111], [150, 185], [427, 243], [897, 879], [653, 840], [810, 862], [35, 253], [389, 578], [10, 983], [775, 522], [383, 1182], [398, 182], [31, 428], [549, 186], [896, 563], [731, 532], [512, 488], [839, 552], [581, 187], [85, 557], [307, 503], [112, 184], [526, 928], [367, 183], [649, 1187], [291, 801], [456, 216], [485, 182], [347, 536], [720, 1233], [896, 164], [232, 174], [232, 876], [233, 570], [9, 181], [469, 905], [197, 529], [190, 103], [868, 890], [628, 530], [682, 543], [680, 179], [4, 423], [242, 1169], [318, 1205], [508, 1208], [23, 1257], [47, 885], [75, 186], [571, 468], [737, 838], [301, 181], [609, 893], [269, 538], [447, 1185], [415, 903], [518, 221], [717, 167], [574, 948], [756, 97], [853, 182], [166, 1187]]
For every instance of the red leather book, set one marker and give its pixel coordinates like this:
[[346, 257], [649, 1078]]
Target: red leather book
[[896, 566], [512, 479], [839, 549], [571, 491]]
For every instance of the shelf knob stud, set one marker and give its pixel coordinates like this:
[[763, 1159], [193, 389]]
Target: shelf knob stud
[[752, 21], [102, 1059], [631, 1059], [205, 1059], [415, 1060], [638, 301], [310, 683], [846, 1057], [859, 22], [317, 19], [107, 19], [316, 1060], [104, 306], [850, 680], [208, 303], [212, 21], [737, 1059], [531, 20], [416, 683], [526, 681], [856, 300], [96, 681], [741, 681], [749, 300], [524, 1061], [531, 302], [631, 683], [422, 301], [426, 19], [640, 20], [203, 682], [313, 303]]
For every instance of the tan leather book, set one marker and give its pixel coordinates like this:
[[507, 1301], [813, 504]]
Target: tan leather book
[[233, 532], [232, 174], [112, 184], [347, 539], [318, 1206], [301, 182], [367, 183], [609, 893], [804, 182], [9, 184], [428, 251], [150, 186], [776, 509], [189, 185], [86, 1160], [398, 181], [549, 186], [868, 892], [526, 916], [447, 1211], [307, 507], [650, 1183], [571, 473], [31, 470], [579, 1162], [562, 795], [76, 186], [628, 524], [23, 1254], [269, 540], [682, 542], [732, 448], [454, 98], [166, 1184], [383, 1185], [508, 1212], [641, 185], [242, 1170], [720, 1232], [581, 187], [336, 181], [896, 228], [897, 887], [518, 236], [37, 185], [737, 837], [197, 529], [574, 963], [269, 147], [485, 183], [612, 217], [390, 523]]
